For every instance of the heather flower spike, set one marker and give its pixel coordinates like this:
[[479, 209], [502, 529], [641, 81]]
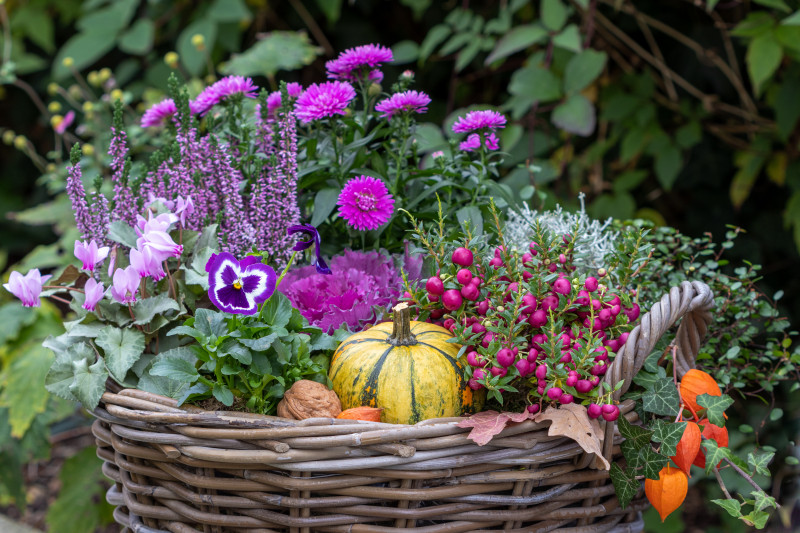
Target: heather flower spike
[[90, 254], [311, 231], [28, 287], [239, 286]]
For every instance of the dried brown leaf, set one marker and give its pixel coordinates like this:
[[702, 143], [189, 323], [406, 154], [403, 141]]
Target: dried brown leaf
[[573, 422], [487, 424]]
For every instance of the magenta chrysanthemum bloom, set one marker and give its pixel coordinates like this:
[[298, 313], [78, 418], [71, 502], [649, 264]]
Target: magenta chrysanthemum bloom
[[158, 113], [405, 102], [219, 91], [365, 203], [473, 142], [479, 120], [274, 99], [353, 63], [324, 100]]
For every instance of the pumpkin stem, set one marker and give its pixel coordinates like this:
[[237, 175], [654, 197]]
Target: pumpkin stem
[[401, 333]]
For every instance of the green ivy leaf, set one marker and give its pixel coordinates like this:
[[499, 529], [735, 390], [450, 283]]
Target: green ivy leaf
[[734, 507], [519, 38], [583, 69], [121, 348], [714, 454], [757, 519], [764, 54], [668, 434], [663, 399], [21, 387], [638, 437], [90, 382], [575, 115], [715, 407], [652, 462], [758, 462], [625, 485], [762, 500]]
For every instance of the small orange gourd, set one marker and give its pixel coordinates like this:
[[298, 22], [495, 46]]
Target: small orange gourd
[[687, 448], [668, 492], [696, 383], [365, 412]]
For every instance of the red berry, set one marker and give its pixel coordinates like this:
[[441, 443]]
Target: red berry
[[477, 281], [549, 302], [462, 256], [470, 292], [437, 314], [464, 276], [479, 373], [533, 409], [474, 385], [541, 371], [538, 318], [433, 297], [452, 299], [610, 412], [554, 393], [449, 323], [497, 371], [496, 262], [523, 367], [565, 399], [594, 410], [505, 357], [477, 327], [472, 359], [434, 285], [583, 386], [590, 284], [483, 307], [562, 258]]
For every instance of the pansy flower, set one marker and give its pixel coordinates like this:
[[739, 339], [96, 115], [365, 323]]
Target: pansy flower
[[239, 286], [311, 231]]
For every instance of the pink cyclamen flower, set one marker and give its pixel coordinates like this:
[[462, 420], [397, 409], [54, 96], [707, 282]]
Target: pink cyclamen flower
[[162, 222], [146, 263], [365, 203], [405, 102], [28, 287], [473, 142], [219, 91], [90, 254], [183, 208], [354, 62], [324, 100], [93, 293], [161, 245], [479, 120], [126, 285], [159, 113], [152, 198], [65, 123]]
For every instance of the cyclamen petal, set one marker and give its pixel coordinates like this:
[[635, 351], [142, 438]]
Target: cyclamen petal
[[239, 286], [28, 287], [161, 245], [125, 285], [146, 263], [93, 293], [90, 254]]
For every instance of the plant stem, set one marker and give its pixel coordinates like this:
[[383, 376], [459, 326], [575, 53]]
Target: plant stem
[[721, 484]]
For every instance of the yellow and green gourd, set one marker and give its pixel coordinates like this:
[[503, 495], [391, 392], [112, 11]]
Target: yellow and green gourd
[[405, 367]]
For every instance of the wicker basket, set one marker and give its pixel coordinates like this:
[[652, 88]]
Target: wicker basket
[[186, 470]]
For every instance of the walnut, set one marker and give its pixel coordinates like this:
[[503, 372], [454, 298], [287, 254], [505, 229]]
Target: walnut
[[309, 399]]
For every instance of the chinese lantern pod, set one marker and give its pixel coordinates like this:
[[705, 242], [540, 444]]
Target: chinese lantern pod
[[668, 492], [715, 433], [696, 383], [688, 448]]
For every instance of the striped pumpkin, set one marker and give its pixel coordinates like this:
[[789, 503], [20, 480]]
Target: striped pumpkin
[[406, 367]]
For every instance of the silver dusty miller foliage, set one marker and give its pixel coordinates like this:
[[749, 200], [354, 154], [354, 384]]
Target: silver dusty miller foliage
[[594, 239]]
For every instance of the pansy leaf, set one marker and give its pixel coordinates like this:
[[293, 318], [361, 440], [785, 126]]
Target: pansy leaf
[[625, 484], [223, 394], [260, 344], [210, 322], [663, 399], [90, 382], [144, 310], [237, 351], [715, 407], [196, 391], [668, 434], [277, 310], [121, 348]]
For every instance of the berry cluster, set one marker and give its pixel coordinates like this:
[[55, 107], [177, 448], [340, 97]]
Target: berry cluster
[[529, 322]]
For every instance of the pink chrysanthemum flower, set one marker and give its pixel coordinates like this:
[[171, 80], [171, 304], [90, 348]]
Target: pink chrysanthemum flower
[[219, 91], [473, 142], [324, 100], [405, 102], [274, 99], [353, 64], [158, 113], [365, 203], [479, 120]]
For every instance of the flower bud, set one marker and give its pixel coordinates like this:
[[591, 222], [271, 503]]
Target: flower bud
[[171, 59], [68, 62], [54, 107], [20, 142], [87, 149], [199, 42]]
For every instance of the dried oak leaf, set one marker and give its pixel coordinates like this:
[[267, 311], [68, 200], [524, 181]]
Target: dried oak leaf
[[573, 422], [487, 424], [309, 399]]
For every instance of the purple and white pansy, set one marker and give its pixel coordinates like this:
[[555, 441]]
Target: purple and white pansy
[[239, 286]]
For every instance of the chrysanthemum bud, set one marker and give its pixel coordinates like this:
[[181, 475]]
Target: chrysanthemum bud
[[20, 142], [54, 107], [373, 90], [52, 88], [171, 59], [199, 42], [104, 74], [68, 62]]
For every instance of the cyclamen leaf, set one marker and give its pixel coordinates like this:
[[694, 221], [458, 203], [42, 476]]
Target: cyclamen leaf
[[572, 421], [639, 437], [734, 507], [715, 407], [669, 435], [175, 368], [625, 485], [119, 231], [62, 373], [663, 400], [90, 382], [144, 310], [121, 348], [759, 462], [487, 424]]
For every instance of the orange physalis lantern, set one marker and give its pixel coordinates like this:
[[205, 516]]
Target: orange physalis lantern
[[715, 433], [696, 383], [370, 414], [668, 493], [688, 447]]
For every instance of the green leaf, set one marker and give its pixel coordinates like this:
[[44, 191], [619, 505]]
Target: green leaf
[[733, 507], [193, 59], [625, 485], [121, 349], [37, 25], [519, 38], [84, 48], [236, 11], [776, 4], [714, 454], [145, 310], [62, 372], [638, 437], [764, 54], [114, 18], [583, 69], [12, 484], [776, 414], [237, 351], [787, 106], [279, 50], [13, 318], [119, 231], [405, 52], [277, 310], [176, 368], [569, 39], [76, 510], [715, 407], [163, 385], [223, 394], [434, 38], [755, 24], [792, 20], [554, 14], [668, 434], [758, 462], [90, 382], [663, 399], [757, 519], [471, 216], [324, 204], [138, 40], [668, 163], [467, 54], [536, 83], [750, 164], [209, 322], [576, 115], [763, 501], [22, 391], [260, 344]]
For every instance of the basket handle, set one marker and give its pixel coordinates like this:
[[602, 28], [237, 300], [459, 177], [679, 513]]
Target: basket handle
[[692, 301]]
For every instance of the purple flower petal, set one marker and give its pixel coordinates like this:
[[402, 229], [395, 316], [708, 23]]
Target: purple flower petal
[[239, 286]]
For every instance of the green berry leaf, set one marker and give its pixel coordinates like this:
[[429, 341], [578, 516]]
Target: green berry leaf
[[663, 400], [625, 484], [734, 507], [638, 437], [669, 435], [715, 407], [758, 462]]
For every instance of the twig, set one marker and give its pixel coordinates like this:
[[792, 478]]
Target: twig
[[722, 484], [668, 85], [313, 27]]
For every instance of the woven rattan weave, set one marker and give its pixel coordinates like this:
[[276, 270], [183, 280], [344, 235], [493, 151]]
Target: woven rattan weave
[[186, 470]]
